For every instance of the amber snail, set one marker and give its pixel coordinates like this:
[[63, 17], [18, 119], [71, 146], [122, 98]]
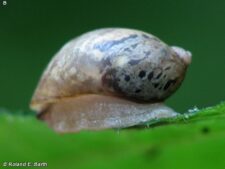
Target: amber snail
[[109, 78]]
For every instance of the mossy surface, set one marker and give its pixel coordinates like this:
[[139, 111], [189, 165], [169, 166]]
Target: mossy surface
[[193, 143]]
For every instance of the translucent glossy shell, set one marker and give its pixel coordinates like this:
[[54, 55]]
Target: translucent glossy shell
[[123, 63]]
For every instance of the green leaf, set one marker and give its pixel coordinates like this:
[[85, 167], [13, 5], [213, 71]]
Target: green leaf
[[191, 143]]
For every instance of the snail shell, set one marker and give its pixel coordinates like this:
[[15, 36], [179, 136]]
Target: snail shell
[[109, 78]]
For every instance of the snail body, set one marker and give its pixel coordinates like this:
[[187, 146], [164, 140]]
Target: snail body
[[109, 78]]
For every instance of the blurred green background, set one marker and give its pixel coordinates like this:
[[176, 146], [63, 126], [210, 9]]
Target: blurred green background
[[31, 32]]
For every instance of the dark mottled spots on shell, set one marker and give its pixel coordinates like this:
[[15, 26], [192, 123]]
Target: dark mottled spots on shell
[[156, 39], [105, 62], [142, 74], [167, 68], [137, 90], [108, 77], [160, 88], [134, 45], [134, 62], [116, 86], [164, 76], [127, 78], [150, 76], [156, 85], [169, 83], [127, 50], [109, 80], [159, 75], [145, 36], [109, 44], [147, 53]]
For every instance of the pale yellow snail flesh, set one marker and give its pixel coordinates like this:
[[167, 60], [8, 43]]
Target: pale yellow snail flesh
[[109, 78]]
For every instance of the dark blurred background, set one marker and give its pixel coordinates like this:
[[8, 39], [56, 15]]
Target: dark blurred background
[[31, 32]]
